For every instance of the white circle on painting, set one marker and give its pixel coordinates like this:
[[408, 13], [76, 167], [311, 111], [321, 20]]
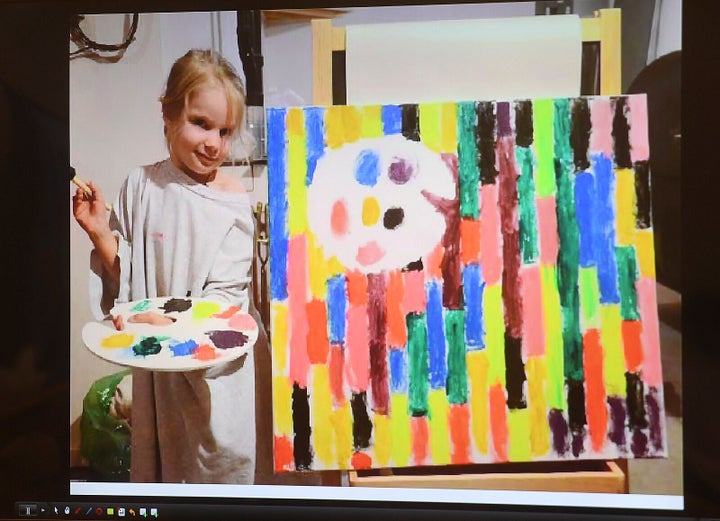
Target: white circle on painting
[[369, 202]]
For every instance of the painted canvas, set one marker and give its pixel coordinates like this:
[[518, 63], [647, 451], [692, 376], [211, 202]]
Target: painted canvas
[[463, 282]]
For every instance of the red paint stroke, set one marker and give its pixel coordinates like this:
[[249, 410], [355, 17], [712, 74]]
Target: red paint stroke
[[339, 220], [318, 344], [650, 336], [419, 432], [470, 241], [205, 352], [283, 454], [547, 226], [356, 288], [298, 327], [459, 420], [357, 360], [336, 367], [451, 267], [433, 262], [415, 298], [361, 461], [242, 321], [377, 321], [533, 334], [227, 313], [597, 415], [498, 422], [490, 236], [396, 327], [508, 207], [632, 345]]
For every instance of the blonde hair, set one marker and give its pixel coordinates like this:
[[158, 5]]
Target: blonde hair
[[199, 68]]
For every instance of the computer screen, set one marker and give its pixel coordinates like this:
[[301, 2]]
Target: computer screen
[[489, 316]]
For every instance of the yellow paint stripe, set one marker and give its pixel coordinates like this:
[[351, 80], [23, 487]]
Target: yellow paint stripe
[[322, 432], [382, 440], [297, 172], [279, 328], [611, 340], [317, 268], [518, 428], [430, 125], [371, 126], [539, 430], [400, 430], [341, 420], [625, 201], [645, 251], [282, 406], [449, 128], [439, 435]]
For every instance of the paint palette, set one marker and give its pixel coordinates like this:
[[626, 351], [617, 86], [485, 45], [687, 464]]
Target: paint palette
[[173, 334]]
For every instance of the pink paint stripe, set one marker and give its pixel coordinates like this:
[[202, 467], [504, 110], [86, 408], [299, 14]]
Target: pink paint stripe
[[639, 142], [490, 237], [547, 225], [533, 334], [650, 335], [357, 360], [297, 291], [414, 298], [601, 116]]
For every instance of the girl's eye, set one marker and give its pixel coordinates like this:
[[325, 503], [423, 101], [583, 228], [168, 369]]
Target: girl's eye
[[199, 122], [224, 132]]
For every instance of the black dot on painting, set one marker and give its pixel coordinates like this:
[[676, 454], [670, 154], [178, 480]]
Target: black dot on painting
[[393, 218], [400, 171]]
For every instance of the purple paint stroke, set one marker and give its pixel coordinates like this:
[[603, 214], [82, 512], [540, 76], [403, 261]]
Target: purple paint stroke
[[653, 401], [618, 416], [560, 431], [639, 444], [503, 119]]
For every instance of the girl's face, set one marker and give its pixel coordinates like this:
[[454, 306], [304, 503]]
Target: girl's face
[[199, 140]]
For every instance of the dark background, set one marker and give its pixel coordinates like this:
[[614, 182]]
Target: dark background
[[34, 257]]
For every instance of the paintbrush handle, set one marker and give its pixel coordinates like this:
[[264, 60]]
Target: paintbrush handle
[[85, 188]]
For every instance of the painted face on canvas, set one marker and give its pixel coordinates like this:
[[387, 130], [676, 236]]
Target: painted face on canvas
[[369, 203], [200, 139]]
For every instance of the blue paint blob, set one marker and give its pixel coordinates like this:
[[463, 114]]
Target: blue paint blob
[[367, 167], [391, 119], [336, 303], [183, 348], [584, 212], [398, 371], [473, 287], [314, 141], [604, 231], [436, 336], [277, 203]]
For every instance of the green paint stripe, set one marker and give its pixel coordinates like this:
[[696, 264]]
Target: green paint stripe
[[457, 386], [417, 344], [543, 137], [468, 170], [528, 212], [627, 277], [554, 352], [589, 298]]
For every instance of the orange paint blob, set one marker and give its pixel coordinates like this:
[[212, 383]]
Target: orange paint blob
[[469, 241], [318, 344], [356, 288], [498, 422], [459, 419], [595, 389], [205, 352], [632, 346], [228, 312], [433, 262], [360, 461], [339, 220], [419, 435], [283, 453]]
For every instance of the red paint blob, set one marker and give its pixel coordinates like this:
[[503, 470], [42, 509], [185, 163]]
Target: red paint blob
[[459, 420], [339, 219], [318, 344], [283, 454], [632, 345], [205, 352], [228, 312], [595, 403], [419, 434], [361, 461]]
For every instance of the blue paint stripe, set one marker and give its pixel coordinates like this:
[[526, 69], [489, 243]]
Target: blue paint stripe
[[337, 304], [314, 140], [584, 212], [277, 203], [436, 336], [398, 371], [604, 239], [392, 119], [473, 287]]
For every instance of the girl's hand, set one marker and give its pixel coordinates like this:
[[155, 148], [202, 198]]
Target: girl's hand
[[89, 212], [117, 321]]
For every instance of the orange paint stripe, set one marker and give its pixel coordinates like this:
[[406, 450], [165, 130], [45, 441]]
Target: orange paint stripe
[[336, 368], [318, 344], [419, 435], [432, 263], [632, 346], [469, 241], [356, 288], [396, 327], [498, 422], [595, 389], [459, 419], [360, 461], [283, 454]]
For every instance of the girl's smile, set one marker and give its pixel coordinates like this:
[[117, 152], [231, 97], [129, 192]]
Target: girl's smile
[[200, 139]]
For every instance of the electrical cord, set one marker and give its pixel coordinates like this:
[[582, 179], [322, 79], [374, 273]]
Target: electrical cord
[[87, 44]]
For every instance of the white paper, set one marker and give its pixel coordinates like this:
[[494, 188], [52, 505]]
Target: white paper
[[487, 59]]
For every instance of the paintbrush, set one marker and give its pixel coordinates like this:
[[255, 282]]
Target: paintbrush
[[83, 186]]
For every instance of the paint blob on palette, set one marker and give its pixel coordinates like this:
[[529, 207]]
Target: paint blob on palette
[[463, 282], [173, 334]]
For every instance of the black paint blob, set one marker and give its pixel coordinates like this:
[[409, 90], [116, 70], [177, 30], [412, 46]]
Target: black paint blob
[[410, 122], [393, 218], [301, 428], [642, 193], [635, 401], [485, 137], [177, 304], [362, 426], [523, 123], [514, 373], [576, 406], [414, 266]]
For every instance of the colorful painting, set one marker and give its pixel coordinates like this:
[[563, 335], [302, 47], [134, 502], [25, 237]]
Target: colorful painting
[[173, 334], [458, 283]]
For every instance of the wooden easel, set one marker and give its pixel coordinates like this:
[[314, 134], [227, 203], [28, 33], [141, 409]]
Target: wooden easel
[[581, 476]]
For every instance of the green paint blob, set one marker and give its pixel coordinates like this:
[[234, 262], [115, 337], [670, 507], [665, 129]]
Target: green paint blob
[[528, 213], [468, 170], [627, 277], [543, 137], [417, 344], [457, 386], [589, 298], [143, 305], [148, 346]]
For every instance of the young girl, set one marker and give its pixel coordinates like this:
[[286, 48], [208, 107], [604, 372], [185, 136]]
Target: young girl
[[181, 227]]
